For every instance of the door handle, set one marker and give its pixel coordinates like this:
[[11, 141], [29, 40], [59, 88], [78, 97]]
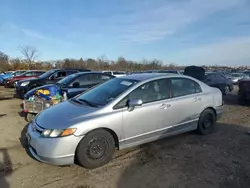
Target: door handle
[[197, 99], [165, 106]]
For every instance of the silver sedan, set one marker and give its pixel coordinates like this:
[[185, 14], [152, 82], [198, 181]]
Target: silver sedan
[[121, 113]]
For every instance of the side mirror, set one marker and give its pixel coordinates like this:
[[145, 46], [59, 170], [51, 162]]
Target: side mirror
[[52, 77], [76, 84], [132, 103]]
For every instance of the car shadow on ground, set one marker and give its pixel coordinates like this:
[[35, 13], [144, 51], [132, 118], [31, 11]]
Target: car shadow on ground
[[23, 140], [231, 99], [221, 159], [6, 168]]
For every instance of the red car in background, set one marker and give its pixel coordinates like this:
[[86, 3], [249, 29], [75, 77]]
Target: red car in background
[[28, 74]]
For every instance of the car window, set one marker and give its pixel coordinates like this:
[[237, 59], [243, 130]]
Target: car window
[[184, 86], [84, 80], [108, 91], [119, 73], [152, 91], [29, 74], [38, 73], [59, 74]]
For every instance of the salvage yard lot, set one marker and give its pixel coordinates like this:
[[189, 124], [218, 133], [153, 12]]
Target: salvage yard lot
[[220, 160]]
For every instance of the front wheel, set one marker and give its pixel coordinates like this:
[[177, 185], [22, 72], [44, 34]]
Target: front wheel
[[206, 123], [95, 149]]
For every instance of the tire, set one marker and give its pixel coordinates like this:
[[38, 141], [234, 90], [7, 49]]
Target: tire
[[225, 90], [206, 123], [95, 149], [30, 116]]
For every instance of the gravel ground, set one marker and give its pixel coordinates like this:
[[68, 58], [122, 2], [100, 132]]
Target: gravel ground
[[220, 160]]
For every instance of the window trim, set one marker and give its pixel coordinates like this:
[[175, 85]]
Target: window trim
[[168, 84], [171, 87]]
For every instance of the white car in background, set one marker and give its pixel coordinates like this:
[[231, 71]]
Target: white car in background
[[115, 73]]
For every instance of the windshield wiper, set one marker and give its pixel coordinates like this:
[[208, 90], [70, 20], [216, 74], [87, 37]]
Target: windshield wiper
[[89, 103], [77, 101]]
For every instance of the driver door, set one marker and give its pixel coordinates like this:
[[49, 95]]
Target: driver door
[[145, 123]]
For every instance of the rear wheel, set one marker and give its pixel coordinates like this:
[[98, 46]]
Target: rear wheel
[[225, 90], [95, 149], [207, 121]]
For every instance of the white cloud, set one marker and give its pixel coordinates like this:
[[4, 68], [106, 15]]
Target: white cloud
[[13, 30], [157, 19], [229, 51]]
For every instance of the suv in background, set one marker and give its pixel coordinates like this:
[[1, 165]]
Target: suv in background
[[49, 77], [10, 82]]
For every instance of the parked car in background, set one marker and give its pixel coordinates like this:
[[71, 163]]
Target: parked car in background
[[247, 72], [244, 92], [115, 73], [11, 82], [238, 76], [49, 77], [77, 83], [120, 113], [212, 79], [9, 75], [6, 72], [219, 81]]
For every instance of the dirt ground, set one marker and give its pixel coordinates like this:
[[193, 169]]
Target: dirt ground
[[219, 160]]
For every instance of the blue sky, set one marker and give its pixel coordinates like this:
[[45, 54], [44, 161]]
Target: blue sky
[[174, 31]]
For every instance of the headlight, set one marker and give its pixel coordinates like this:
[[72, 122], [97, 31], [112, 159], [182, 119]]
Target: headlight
[[53, 133], [25, 83]]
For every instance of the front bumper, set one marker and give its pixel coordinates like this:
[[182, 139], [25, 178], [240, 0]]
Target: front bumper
[[20, 91], [56, 151]]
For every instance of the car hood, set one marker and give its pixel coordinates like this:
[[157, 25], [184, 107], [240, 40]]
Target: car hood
[[63, 115]]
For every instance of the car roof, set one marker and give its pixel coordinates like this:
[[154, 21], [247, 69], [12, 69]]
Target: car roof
[[92, 72], [147, 76]]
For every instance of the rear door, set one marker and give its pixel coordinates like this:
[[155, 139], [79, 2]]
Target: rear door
[[185, 105]]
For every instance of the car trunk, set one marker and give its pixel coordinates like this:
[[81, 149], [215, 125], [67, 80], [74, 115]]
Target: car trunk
[[195, 72]]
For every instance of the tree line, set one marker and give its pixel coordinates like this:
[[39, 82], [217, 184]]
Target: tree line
[[30, 62]]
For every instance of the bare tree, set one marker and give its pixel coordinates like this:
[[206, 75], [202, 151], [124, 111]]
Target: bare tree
[[29, 53]]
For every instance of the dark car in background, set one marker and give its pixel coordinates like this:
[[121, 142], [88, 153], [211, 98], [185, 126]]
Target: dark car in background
[[244, 92], [213, 79], [219, 81], [49, 77], [10, 82], [77, 83]]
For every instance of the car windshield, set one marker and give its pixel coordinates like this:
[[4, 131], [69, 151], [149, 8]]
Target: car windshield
[[67, 80], [107, 92], [46, 74]]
